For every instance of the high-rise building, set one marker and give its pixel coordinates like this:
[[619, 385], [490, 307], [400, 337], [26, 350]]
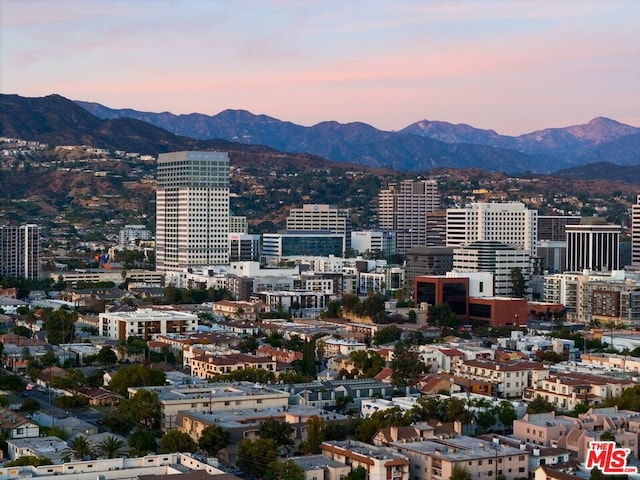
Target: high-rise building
[[20, 251], [314, 217], [635, 233], [593, 245], [553, 227], [192, 202], [511, 223], [403, 208]]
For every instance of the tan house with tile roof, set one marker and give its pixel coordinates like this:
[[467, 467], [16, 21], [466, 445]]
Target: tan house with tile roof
[[510, 379], [208, 366], [568, 389]]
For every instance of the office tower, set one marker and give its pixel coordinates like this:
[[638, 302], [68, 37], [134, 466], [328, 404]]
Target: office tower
[[635, 233], [552, 227], [192, 202], [494, 257], [593, 245], [509, 223], [314, 217], [20, 251], [403, 208]]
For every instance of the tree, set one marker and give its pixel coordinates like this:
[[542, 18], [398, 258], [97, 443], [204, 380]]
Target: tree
[[388, 334], [30, 405], [539, 405], [177, 441], [143, 409], [459, 473], [280, 470], [368, 362], [334, 431], [518, 283], [277, 430], [213, 439], [78, 449], [142, 442], [135, 375], [106, 356], [407, 366], [358, 473], [111, 447], [441, 315], [506, 414], [485, 419], [315, 435], [309, 358], [254, 456], [29, 460]]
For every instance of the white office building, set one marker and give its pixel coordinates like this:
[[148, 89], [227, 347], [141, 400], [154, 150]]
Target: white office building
[[373, 242], [315, 217], [511, 223], [192, 202], [593, 246], [130, 233]]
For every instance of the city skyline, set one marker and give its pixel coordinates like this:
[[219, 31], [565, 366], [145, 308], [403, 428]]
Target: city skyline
[[514, 67]]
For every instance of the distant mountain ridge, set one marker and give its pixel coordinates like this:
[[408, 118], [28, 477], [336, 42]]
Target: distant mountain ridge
[[544, 150], [57, 120]]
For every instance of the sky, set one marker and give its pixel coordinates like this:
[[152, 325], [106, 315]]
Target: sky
[[514, 66]]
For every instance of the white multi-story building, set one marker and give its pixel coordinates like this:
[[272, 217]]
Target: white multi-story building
[[146, 323], [316, 217], [373, 242], [192, 202], [130, 233], [593, 246], [494, 257], [20, 251], [510, 223], [635, 233], [403, 208]]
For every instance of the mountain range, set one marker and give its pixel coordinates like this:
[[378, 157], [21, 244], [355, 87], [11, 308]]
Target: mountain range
[[421, 146]]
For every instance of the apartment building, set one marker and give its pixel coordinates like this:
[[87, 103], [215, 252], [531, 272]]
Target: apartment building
[[435, 459], [510, 379], [568, 389], [209, 366], [146, 323], [380, 463], [207, 398]]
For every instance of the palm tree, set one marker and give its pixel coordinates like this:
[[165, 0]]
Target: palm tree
[[111, 447], [79, 449]]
